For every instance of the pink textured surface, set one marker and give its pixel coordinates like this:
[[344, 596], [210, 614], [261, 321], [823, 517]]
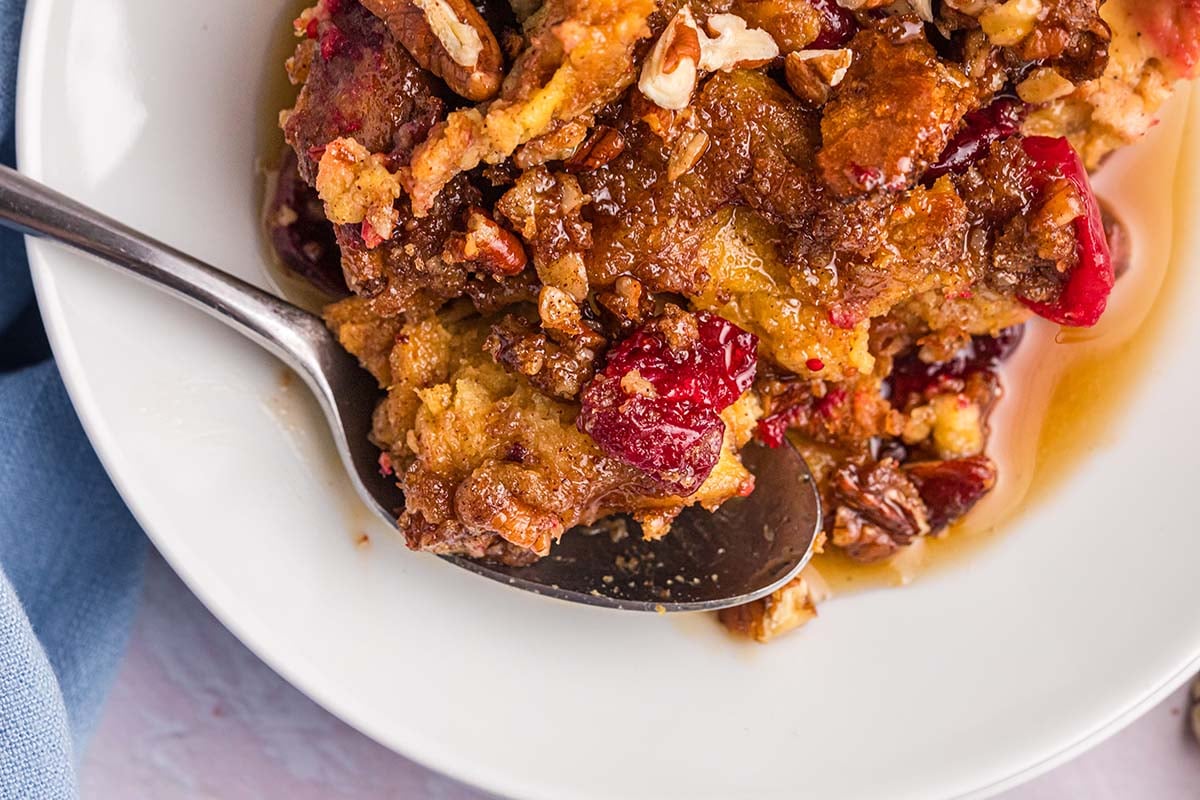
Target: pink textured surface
[[194, 714]]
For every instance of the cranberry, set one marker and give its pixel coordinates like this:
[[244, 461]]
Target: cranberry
[[828, 405], [333, 42], [344, 126], [912, 378], [981, 129], [1173, 27], [950, 489], [1085, 295], [773, 429], [656, 407], [838, 25], [844, 318]]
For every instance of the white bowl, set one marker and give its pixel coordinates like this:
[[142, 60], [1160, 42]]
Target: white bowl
[[1056, 633]]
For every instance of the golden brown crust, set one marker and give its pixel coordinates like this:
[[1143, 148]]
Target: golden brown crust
[[501, 253]]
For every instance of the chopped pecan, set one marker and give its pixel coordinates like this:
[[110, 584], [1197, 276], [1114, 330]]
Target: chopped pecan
[[602, 146], [687, 152], [449, 38], [628, 301], [781, 611], [684, 51], [669, 74], [558, 368], [559, 143], [879, 510], [497, 250], [812, 73], [735, 45]]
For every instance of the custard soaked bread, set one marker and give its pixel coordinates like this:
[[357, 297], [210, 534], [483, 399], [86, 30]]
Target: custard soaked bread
[[593, 248]]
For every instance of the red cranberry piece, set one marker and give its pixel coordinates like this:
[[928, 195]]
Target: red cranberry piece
[[950, 489], [333, 42], [912, 378], [1085, 295], [1173, 27], [656, 407], [838, 25], [714, 372], [677, 444], [772, 430], [981, 129]]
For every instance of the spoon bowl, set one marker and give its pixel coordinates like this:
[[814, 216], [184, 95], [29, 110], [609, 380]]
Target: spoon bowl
[[747, 549]]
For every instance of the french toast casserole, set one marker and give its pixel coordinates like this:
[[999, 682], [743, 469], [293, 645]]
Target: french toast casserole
[[591, 249]]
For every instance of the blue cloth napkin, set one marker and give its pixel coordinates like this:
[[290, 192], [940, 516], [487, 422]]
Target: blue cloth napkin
[[70, 553]]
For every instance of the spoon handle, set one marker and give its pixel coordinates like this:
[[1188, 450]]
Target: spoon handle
[[285, 330]]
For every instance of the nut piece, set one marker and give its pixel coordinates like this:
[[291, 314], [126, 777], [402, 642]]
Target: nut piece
[[557, 144], [1010, 22], [812, 73], [462, 42], [669, 74], [357, 187], [783, 610], [923, 9], [735, 45], [683, 51], [559, 311], [601, 147], [685, 155], [450, 39], [1044, 85], [497, 250]]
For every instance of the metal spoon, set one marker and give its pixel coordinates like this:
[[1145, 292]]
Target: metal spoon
[[744, 551]]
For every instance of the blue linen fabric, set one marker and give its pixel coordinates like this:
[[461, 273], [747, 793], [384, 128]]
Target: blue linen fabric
[[71, 555]]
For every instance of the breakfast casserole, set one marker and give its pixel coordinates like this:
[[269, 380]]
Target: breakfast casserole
[[591, 249]]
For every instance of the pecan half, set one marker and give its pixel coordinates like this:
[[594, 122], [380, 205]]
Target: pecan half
[[449, 38], [602, 146], [879, 510]]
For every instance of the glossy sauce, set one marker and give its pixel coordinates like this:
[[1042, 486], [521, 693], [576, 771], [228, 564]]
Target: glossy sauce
[[1066, 391]]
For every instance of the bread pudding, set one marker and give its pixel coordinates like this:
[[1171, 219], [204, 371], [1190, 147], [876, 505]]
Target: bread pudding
[[591, 249]]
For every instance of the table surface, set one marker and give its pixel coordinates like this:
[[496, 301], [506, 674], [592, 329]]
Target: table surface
[[190, 697]]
